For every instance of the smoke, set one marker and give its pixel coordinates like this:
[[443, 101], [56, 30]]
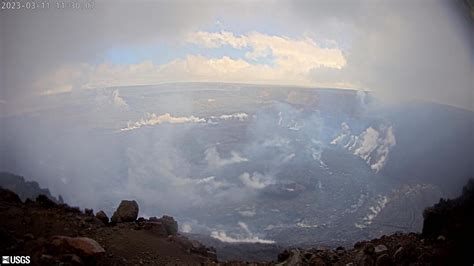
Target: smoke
[[245, 237], [118, 101], [372, 145], [400, 50], [214, 159], [152, 120], [256, 180]]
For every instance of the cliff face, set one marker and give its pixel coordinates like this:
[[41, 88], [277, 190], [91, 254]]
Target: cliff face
[[453, 219], [24, 189]]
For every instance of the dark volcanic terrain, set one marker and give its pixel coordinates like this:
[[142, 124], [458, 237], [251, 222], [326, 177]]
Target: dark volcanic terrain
[[56, 234]]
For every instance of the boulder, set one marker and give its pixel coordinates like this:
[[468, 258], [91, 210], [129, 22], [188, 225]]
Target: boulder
[[153, 219], [127, 211], [170, 225], [46, 202], [9, 196], [102, 217], [156, 228], [85, 247], [89, 212]]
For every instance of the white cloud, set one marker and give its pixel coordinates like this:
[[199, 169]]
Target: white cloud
[[294, 59], [290, 54]]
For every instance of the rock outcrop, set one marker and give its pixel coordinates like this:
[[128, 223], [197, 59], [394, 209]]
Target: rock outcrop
[[127, 211], [57, 234], [24, 189], [102, 216]]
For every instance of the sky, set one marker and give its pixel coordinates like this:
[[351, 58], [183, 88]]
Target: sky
[[398, 49]]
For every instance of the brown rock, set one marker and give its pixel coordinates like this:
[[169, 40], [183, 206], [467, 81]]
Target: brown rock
[[156, 228], [102, 217], [127, 211], [83, 246]]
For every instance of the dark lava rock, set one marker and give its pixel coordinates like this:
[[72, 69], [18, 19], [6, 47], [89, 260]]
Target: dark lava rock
[[369, 249], [127, 211], [102, 217], [383, 260], [454, 220], [170, 224], [89, 212], [45, 201], [9, 196]]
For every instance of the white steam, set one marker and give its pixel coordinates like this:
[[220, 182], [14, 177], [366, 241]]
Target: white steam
[[152, 120], [372, 145], [214, 159], [247, 237], [256, 180]]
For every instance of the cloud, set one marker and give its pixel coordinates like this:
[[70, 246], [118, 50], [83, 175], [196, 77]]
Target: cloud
[[421, 49], [61, 39], [300, 55], [293, 61]]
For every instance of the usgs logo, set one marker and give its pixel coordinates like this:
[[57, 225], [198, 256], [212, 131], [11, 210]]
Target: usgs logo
[[15, 260]]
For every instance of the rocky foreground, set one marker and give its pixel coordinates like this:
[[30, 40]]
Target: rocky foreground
[[54, 233]]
